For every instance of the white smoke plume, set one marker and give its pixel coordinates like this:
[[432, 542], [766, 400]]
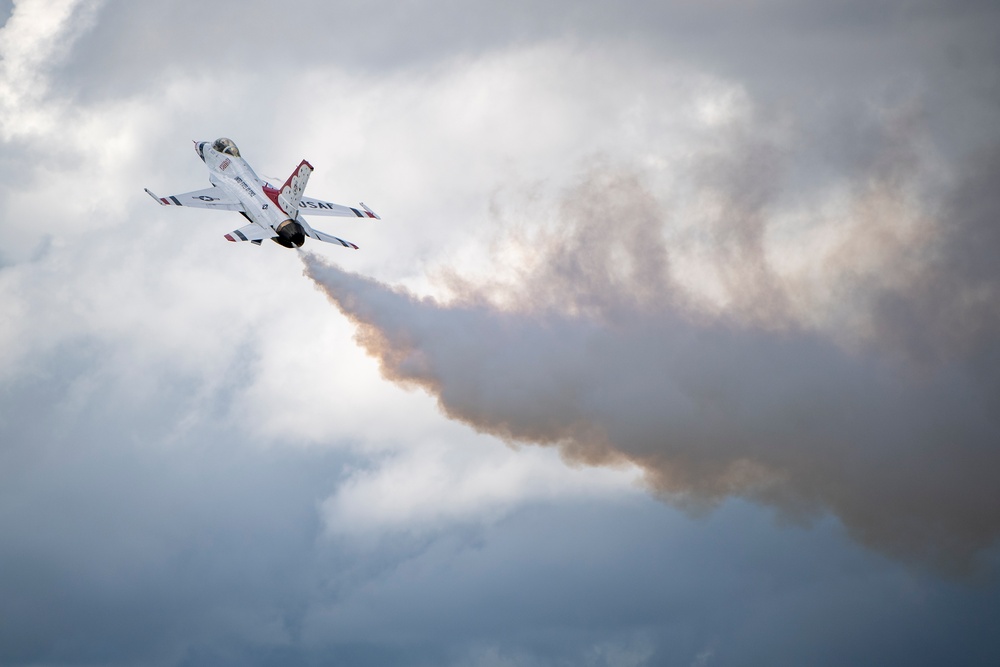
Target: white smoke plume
[[862, 378]]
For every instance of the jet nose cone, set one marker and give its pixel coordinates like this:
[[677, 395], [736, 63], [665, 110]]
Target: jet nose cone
[[199, 148]]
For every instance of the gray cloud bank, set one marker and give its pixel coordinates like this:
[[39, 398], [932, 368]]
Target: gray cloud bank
[[156, 510], [130, 541], [887, 415]]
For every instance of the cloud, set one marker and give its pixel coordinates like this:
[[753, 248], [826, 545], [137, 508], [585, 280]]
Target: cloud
[[434, 485], [198, 466], [34, 38]]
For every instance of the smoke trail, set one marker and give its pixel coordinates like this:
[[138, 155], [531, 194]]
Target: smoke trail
[[899, 435]]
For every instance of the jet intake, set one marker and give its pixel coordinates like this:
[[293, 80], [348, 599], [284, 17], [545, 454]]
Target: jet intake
[[290, 234]]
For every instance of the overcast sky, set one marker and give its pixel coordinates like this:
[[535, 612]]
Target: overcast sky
[[678, 342]]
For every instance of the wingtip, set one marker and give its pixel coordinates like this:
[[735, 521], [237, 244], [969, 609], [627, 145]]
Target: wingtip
[[369, 212], [157, 199]]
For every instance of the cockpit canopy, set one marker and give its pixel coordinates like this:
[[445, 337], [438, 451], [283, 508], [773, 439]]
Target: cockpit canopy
[[226, 146]]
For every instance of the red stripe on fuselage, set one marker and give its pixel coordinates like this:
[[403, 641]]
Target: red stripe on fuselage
[[272, 194]]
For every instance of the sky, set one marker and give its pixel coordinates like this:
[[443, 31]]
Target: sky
[[678, 342]]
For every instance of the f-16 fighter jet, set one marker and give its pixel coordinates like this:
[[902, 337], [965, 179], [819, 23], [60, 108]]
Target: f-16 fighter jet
[[274, 213]]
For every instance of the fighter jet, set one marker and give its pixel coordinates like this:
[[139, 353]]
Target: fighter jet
[[274, 213]]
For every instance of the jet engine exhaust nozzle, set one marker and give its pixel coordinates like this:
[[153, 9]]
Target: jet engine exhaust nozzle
[[290, 234]]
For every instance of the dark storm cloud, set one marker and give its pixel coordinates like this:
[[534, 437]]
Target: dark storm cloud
[[142, 523], [899, 436], [126, 543], [124, 540], [792, 54]]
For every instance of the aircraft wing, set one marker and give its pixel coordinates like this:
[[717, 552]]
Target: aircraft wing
[[317, 207], [211, 197], [252, 232]]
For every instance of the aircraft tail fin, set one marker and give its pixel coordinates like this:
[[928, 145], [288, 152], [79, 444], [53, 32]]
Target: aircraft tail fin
[[291, 192]]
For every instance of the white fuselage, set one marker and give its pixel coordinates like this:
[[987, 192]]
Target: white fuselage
[[239, 181]]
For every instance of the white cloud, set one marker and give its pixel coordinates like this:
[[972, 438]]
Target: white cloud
[[431, 484], [164, 296], [175, 409], [36, 36]]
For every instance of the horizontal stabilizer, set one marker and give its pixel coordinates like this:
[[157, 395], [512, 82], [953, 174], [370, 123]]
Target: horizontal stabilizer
[[252, 232], [311, 206], [328, 238]]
